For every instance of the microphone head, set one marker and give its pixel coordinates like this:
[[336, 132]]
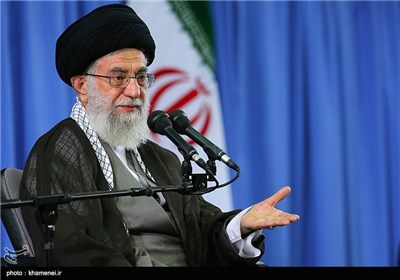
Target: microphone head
[[179, 120], [158, 121]]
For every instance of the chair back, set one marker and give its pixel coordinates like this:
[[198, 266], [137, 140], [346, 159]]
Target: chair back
[[22, 253]]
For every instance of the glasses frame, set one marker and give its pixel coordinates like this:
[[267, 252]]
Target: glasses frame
[[148, 77]]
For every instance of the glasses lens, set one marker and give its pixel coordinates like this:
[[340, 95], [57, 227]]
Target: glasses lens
[[142, 80], [145, 80], [119, 80], [150, 79]]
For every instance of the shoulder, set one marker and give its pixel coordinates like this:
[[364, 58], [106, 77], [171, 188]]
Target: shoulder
[[66, 136], [66, 126]]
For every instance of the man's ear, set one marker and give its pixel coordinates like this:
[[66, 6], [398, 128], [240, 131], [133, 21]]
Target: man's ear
[[79, 83]]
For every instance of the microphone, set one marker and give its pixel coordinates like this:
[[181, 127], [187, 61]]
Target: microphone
[[182, 125], [159, 122]]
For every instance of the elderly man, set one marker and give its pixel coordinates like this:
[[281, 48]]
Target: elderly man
[[103, 146]]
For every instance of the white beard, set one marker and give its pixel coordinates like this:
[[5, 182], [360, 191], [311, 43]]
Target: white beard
[[129, 130]]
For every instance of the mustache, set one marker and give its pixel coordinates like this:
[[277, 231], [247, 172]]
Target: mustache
[[130, 102]]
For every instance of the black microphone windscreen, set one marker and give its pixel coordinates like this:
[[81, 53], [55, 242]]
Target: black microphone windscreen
[[180, 121], [158, 121]]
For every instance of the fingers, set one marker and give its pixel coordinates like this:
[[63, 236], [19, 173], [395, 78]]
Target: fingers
[[279, 195], [282, 219]]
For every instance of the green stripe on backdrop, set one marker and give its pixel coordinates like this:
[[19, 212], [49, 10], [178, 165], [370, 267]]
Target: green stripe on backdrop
[[196, 20]]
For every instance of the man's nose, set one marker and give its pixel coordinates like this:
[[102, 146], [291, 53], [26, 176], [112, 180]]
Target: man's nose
[[133, 89]]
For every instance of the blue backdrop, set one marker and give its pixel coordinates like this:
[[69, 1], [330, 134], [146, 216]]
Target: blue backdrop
[[311, 98]]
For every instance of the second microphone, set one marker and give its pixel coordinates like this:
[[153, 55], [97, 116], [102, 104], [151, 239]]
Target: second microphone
[[182, 125]]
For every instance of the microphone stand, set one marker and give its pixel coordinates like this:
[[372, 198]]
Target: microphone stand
[[195, 184], [212, 166], [199, 181], [48, 206], [186, 170]]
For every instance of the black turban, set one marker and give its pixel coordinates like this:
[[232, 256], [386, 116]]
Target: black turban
[[103, 30]]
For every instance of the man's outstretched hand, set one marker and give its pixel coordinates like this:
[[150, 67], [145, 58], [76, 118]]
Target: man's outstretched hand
[[265, 215]]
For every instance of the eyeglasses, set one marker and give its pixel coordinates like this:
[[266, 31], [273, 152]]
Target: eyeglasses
[[121, 80]]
